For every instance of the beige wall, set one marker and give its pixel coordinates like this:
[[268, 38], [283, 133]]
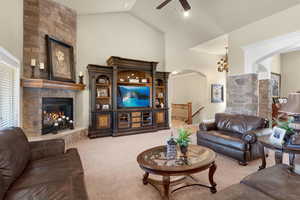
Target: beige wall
[[119, 34], [11, 20], [191, 87], [278, 24], [276, 64], [290, 73], [179, 57]]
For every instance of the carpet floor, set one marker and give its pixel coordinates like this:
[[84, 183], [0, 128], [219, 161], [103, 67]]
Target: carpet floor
[[112, 173]]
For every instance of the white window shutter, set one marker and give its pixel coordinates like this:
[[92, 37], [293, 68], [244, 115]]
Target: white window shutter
[[8, 97]]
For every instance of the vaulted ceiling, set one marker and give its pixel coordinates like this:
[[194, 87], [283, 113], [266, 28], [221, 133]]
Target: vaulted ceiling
[[208, 18], [84, 7]]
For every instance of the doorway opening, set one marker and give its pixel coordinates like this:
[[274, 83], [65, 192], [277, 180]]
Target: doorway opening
[[188, 97]]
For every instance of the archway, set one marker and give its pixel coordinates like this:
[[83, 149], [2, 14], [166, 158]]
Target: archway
[[257, 54], [258, 60], [187, 86]]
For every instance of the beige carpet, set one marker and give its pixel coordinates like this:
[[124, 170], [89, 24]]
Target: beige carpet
[[112, 173]]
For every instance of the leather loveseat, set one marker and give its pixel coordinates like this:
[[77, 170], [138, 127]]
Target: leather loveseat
[[274, 183], [234, 135], [38, 170]]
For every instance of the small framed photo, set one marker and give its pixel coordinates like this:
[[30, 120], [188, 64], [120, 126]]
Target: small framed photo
[[278, 136], [102, 92], [105, 107], [217, 93]]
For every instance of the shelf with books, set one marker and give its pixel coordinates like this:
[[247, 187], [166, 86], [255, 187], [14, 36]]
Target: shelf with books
[[160, 94], [103, 93]]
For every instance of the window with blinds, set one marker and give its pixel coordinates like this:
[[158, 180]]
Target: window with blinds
[[8, 97]]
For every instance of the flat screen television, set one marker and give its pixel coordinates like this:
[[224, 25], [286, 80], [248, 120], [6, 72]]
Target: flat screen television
[[133, 96]]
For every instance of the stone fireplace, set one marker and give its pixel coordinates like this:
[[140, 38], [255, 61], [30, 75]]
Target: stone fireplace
[[34, 100], [57, 114], [46, 101]]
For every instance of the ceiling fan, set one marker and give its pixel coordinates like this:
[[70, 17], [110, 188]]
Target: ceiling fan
[[185, 4]]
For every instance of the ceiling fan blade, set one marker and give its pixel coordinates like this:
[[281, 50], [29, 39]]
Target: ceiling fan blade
[[163, 4], [185, 4]]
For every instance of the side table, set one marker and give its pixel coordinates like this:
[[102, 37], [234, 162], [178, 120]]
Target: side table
[[279, 151]]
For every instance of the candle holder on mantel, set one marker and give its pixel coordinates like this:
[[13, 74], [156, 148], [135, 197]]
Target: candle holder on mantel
[[33, 65], [41, 67], [81, 79], [32, 71]]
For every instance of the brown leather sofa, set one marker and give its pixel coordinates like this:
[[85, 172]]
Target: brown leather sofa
[[275, 183], [38, 170], [233, 135]]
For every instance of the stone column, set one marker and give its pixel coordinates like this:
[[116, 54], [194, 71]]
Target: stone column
[[242, 94]]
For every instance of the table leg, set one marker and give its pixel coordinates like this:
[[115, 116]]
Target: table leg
[[292, 159], [263, 157], [211, 173], [166, 187], [145, 178], [278, 157]]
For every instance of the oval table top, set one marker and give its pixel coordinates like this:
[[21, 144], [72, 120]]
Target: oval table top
[[155, 160]]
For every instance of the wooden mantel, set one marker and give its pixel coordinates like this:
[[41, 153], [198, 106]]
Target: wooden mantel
[[42, 83]]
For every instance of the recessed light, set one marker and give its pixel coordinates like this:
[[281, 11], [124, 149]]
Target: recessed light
[[186, 13], [126, 5]]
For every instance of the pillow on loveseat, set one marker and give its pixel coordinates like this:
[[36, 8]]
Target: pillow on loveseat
[[14, 155]]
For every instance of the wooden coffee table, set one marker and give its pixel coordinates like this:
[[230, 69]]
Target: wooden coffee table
[[154, 161]]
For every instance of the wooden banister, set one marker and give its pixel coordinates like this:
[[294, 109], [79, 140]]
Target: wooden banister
[[184, 112], [198, 111], [190, 113]]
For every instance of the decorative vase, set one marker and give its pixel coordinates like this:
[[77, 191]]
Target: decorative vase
[[184, 150], [171, 148]]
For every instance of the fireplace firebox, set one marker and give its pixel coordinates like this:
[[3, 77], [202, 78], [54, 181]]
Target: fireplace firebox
[[57, 114]]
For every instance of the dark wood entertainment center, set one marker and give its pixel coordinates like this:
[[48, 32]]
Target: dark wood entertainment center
[[107, 118]]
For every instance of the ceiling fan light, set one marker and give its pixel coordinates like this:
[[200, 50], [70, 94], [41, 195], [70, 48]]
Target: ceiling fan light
[[186, 13]]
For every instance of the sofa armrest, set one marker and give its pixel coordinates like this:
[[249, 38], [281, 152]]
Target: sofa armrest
[[207, 126], [251, 136], [46, 148]]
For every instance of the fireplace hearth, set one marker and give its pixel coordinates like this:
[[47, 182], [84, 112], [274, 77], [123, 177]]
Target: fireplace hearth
[[57, 114]]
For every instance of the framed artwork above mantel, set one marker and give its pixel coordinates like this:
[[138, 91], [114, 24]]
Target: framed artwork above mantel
[[60, 60]]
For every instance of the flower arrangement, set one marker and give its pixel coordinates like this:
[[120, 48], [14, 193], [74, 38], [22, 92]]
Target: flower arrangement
[[184, 140], [184, 137]]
